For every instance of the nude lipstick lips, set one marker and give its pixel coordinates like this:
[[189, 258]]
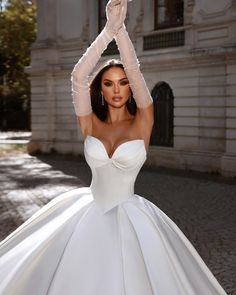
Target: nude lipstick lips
[[116, 98]]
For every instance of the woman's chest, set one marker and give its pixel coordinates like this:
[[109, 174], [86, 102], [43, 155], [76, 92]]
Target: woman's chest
[[113, 136]]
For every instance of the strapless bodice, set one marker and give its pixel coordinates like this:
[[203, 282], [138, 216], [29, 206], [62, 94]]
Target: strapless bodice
[[113, 177]]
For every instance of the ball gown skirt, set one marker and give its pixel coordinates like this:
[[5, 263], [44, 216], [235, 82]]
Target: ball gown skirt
[[103, 240]]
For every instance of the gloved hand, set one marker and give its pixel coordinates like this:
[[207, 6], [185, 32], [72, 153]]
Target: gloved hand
[[116, 13]]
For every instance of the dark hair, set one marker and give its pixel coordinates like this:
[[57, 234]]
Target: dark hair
[[95, 91]]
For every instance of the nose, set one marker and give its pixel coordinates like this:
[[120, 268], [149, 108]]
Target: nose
[[116, 88]]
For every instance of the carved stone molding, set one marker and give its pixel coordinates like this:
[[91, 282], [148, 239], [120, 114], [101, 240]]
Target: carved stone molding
[[138, 29], [208, 9], [190, 3], [188, 13], [84, 37]]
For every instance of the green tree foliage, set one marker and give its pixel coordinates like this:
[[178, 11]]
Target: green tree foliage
[[17, 33]]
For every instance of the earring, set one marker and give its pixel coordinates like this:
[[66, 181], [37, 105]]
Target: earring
[[103, 101]]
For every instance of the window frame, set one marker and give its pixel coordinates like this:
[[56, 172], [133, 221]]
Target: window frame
[[101, 16], [169, 25]]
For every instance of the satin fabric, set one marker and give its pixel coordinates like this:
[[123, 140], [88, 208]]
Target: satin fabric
[[103, 240]]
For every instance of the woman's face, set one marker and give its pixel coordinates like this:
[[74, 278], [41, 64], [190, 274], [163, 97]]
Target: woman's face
[[115, 87]]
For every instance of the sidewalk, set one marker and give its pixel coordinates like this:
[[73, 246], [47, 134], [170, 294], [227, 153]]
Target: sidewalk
[[15, 137], [203, 206]]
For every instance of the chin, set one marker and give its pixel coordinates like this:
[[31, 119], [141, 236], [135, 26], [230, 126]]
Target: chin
[[118, 105]]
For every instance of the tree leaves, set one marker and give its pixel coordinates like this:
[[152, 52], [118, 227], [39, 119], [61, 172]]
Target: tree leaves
[[17, 33]]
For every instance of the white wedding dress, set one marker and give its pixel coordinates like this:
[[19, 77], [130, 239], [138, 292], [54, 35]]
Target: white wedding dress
[[103, 240]]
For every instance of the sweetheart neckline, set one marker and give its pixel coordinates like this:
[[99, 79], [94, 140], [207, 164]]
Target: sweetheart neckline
[[117, 148]]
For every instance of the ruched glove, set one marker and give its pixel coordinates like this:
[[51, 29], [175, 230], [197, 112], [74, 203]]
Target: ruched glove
[[129, 59], [116, 13]]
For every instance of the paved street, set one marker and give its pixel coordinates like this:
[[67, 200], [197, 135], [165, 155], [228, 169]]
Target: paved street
[[202, 205]]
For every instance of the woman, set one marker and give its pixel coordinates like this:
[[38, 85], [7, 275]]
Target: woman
[[105, 240]]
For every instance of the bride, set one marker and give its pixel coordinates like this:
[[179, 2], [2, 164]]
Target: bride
[[104, 239]]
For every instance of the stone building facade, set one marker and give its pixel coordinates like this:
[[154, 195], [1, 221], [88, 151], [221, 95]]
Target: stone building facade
[[188, 57]]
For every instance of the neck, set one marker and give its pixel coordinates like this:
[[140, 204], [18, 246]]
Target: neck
[[116, 115]]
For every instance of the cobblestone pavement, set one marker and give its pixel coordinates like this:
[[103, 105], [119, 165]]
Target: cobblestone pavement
[[14, 137], [202, 205]]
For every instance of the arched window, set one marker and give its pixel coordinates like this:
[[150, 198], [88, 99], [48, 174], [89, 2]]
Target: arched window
[[168, 13], [163, 99]]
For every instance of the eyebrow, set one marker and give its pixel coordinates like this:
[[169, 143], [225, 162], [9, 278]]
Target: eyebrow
[[119, 80]]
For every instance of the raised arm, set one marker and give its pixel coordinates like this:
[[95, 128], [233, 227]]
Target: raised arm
[[82, 70], [129, 59]]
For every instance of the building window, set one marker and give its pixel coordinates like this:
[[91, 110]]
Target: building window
[[164, 40], [163, 99], [169, 13], [101, 14]]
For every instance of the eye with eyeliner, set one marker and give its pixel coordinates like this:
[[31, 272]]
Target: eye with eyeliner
[[122, 82], [107, 83]]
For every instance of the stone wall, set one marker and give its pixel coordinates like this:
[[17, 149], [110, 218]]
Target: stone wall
[[202, 75]]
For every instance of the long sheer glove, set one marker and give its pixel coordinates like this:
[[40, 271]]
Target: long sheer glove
[[129, 59], [115, 13], [82, 70]]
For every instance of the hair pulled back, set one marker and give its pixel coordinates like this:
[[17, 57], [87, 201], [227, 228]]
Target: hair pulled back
[[95, 91]]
